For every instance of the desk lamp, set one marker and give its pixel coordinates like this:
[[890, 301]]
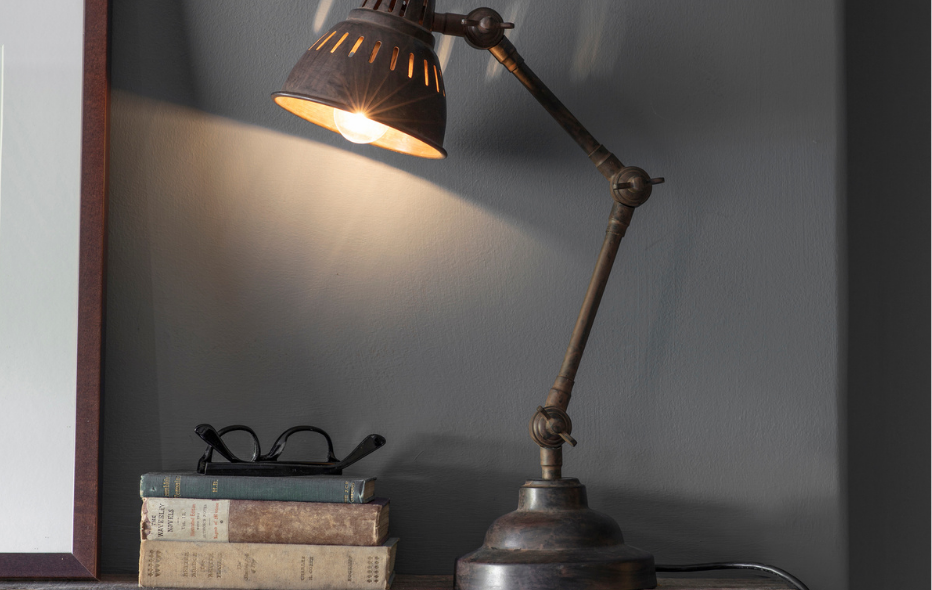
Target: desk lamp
[[376, 79]]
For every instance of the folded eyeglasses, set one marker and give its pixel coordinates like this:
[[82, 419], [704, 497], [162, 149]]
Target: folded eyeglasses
[[268, 464]]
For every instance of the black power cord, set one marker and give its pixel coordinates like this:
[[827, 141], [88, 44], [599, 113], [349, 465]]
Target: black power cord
[[706, 567]]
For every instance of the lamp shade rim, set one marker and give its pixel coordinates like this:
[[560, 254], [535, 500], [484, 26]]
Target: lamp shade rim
[[377, 65], [433, 151]]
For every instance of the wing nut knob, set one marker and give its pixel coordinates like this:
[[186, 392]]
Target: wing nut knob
[[632, 186], [551, 427]]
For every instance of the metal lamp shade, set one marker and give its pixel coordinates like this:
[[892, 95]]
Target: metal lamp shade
[[381, 63]]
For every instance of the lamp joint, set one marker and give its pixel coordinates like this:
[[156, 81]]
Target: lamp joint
[[484, 28], [550, 427], [632, 186]]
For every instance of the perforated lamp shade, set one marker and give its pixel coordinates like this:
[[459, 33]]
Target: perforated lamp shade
[[381, 63]]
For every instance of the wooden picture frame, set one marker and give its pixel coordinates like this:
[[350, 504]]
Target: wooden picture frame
[[83, 561]]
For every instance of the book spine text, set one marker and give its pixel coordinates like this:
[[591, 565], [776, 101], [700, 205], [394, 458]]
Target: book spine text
[[287, 489], [252, 566], [245, 521]]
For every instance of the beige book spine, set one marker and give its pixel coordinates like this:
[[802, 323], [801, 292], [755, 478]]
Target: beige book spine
[[259, 566], [245, 521]]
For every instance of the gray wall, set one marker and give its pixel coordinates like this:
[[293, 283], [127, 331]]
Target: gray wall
[[264, 271], [887, 266]]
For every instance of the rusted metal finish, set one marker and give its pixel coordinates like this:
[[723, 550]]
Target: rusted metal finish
[[632, 186], [553, 541], [551, 427], [379, 62], [551, 463], [483, 28], [449, 23], [618, 223], [548, 427], [506, 53]]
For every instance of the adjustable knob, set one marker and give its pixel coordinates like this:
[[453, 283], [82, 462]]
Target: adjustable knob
[[485, 28], [487, 24], [632, 186], [551, 427]]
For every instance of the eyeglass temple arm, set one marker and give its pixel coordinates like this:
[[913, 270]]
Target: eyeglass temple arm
[[550, 426]]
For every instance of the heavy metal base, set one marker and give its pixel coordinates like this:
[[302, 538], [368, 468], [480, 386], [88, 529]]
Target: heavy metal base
[[553, 541]]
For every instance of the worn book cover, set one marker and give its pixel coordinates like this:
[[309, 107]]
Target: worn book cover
[[248, 521], [255, 566], [301, 488]]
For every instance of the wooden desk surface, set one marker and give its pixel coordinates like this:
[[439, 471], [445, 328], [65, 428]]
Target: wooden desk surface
[[403, 582]]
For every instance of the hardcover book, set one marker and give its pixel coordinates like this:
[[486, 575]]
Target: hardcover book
[[248, 521], [305, 488], [254, 566]]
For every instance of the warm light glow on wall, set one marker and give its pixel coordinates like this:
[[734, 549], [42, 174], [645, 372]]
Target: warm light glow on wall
[[268, 208]]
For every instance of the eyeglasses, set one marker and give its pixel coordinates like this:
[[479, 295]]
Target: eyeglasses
[[268, 464]]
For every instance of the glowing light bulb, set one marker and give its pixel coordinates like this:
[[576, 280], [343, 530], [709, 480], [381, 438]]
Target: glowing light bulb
[[357, 127]]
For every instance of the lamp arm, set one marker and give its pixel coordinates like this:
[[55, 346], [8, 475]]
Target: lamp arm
[[550, 426], [606, 162], [626, 195]]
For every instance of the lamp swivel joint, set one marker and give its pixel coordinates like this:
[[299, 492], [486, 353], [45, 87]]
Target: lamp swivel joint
[[483, 28], [551, 427], [632, 186]]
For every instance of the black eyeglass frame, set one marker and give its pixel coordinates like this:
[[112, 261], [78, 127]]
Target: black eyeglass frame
[[268, 464]]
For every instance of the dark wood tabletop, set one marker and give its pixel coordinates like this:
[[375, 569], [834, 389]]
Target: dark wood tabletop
[[406, 582]]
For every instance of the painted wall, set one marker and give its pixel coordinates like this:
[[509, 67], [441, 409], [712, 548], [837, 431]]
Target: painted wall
[[264, 271], [886, 414]]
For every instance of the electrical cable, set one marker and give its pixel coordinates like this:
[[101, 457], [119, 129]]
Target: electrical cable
[[705, 567]]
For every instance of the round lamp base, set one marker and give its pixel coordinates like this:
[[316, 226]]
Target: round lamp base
[[555, 542]]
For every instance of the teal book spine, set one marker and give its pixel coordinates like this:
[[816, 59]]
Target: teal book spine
[[306, 488]]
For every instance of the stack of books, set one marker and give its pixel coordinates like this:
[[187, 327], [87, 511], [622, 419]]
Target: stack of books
[[293, 533]]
